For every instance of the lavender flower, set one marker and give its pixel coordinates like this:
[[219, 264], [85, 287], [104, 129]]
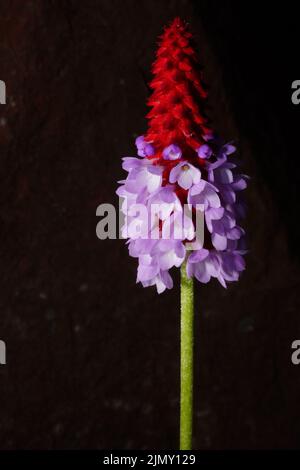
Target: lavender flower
[[185, 175], [172, 152], [157, 226], [144, 149]]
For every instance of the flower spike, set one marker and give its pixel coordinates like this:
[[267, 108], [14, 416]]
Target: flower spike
[[182, 163]]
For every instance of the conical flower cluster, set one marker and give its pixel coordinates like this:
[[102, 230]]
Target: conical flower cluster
[[184, 174]]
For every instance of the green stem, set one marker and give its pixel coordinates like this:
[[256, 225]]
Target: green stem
[[186, 360]]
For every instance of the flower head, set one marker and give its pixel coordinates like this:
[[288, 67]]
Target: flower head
[[183, 164]]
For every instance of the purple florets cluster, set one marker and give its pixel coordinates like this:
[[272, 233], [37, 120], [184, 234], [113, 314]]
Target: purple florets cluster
[[208, 184]]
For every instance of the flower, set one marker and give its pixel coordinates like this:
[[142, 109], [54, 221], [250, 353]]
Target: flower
[[142, 175], [225, 266], [155, 260], [183, 164], [204, 195], [204, 151], [172, 152], [185, 175], [144, 149]]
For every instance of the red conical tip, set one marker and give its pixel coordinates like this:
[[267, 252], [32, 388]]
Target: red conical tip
[[177, 101]]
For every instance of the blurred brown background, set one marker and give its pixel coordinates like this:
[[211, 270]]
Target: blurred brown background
[[92, 359]]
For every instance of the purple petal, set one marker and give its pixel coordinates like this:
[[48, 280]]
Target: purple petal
[[198, 256], [201, 273], [185, 179], [204, 151], [219, 241], [172, 152], [229, 149], [131, 163], [146, 272]]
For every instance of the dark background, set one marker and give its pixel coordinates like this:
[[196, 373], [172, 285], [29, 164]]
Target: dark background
[[92, 359]]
